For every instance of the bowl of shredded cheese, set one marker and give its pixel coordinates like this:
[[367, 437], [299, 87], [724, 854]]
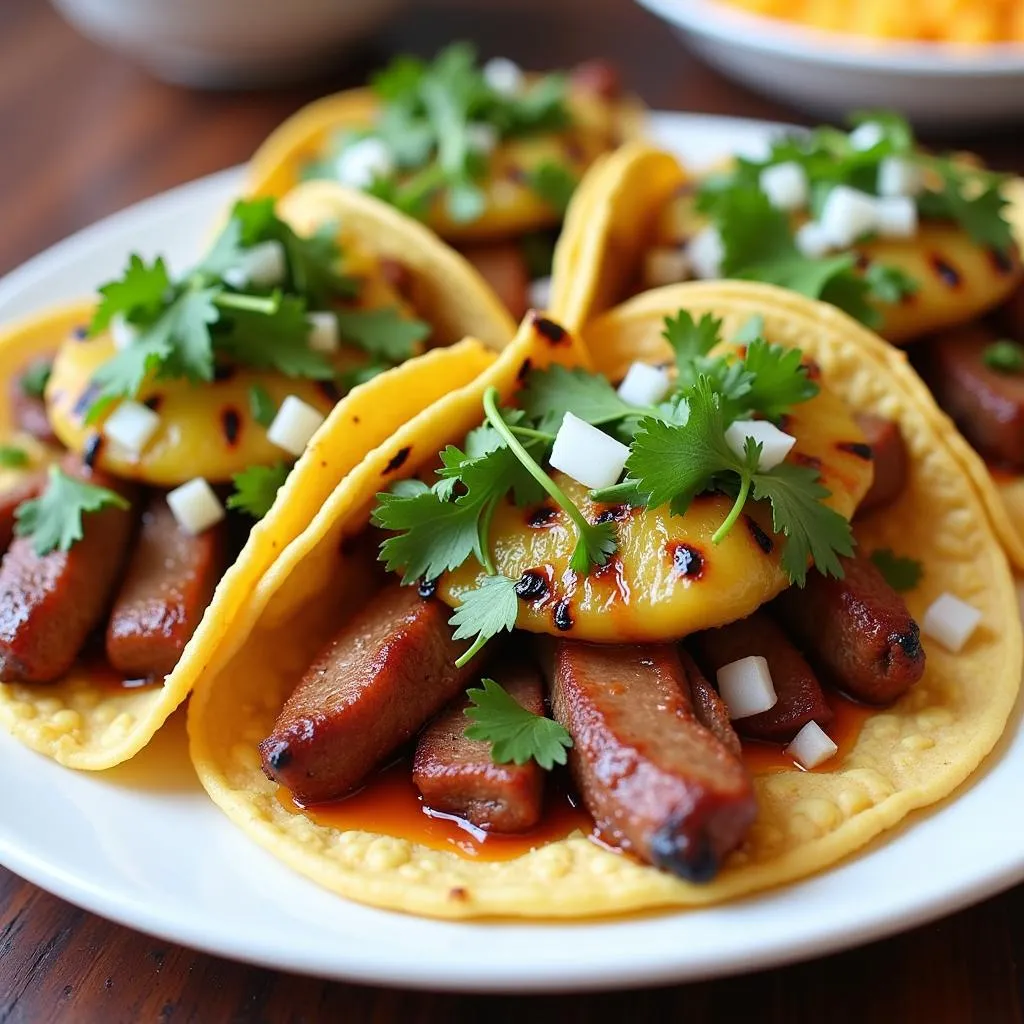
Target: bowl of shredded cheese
[[943, 63]]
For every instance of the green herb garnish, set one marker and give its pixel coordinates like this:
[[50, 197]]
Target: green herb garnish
[[54, 519], [900, 573], [261, 405], [12, 457], [1004, 356], [256, 488], [554, 183], [34, 380], [515, 734]]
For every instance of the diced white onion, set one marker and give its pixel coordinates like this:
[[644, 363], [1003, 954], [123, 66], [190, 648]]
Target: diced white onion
[[295, 423], [775, 444], [706, 253], [666, 265], [195, 506], [540, 293], [812, 746], [481, 137], [361, 163], [588, 455], [746, 687], [898, 176], [122, 333], [323, 332], [867, 136], [785, 185], [644, 385], [812, 240], [950, 621], [503, 75], [897, 217], [847, 214], [132, 426], [264, 265]]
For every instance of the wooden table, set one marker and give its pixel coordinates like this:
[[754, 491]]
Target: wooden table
[[86, 133]]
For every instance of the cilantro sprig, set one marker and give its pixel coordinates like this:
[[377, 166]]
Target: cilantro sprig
[[54, 519], [515, 734], [902, 574], [256, 488]]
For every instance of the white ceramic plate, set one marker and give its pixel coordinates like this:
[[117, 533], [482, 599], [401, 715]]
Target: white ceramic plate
[[831, 74], [143, 845]]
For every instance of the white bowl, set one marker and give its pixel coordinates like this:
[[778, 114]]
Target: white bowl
[[829, 74], [227, 42]]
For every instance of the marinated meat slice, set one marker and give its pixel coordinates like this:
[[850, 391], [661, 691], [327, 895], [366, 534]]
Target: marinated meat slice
[[49, 604], [708, 706], [800, 698], [28, 409], [600, 77], [370, 689], [987, 406], [889, 452], [856, 632], [503, 267], [457, 775], [656, 781], [397, 274], [10, 499], [170, 580]]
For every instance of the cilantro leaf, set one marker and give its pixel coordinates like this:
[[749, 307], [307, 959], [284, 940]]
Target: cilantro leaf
[[972, 199], [484, 612], [750, 330], [54, 519], [384, 333], [261, 405], [554, 183], [902, 574], [35, 378], [138, 295], [552, 392], [779, 380], [1004, 356], [515, 734], [125, 372], [12, 457], [256, 488], [889, 284]]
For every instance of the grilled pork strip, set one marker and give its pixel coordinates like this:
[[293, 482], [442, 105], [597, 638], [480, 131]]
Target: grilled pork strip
[[708, 706], [503, 266], [800, 697], [30, 412], [889, 452], [170, 580], [856, 631], [50, 603], [371, 688], [987, 406], [656, 781], [457, 775]]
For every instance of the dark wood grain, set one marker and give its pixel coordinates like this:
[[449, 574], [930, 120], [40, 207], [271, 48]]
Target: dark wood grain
[[85, 133]]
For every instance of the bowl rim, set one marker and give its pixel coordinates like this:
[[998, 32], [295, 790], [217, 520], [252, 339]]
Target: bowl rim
[[812, 45]]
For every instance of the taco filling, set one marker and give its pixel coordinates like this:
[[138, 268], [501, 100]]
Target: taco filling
[[487, 155], [675, 562]]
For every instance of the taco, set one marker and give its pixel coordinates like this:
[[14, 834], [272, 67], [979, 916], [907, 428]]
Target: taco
[[930, 276], [147, 438], [695, 621], [486, 155]]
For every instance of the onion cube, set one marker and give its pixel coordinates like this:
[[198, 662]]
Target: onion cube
[[812, 746], [131, 425], [666, 265], [264, 265], [540, 293], [775, 444], [195, 506], [588, 455], [644, 385], [866, 136], [323, 332], [898, 176], [361, 163], [950, 621], [706, 253], [897, 217], [812, 240], [746, 687], [785, 185], [847, 214], [122, 333], [504, 76], [295, 423], [482, 137]]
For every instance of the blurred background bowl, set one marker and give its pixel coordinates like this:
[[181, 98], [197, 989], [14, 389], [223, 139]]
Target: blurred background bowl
[[830, 74], [224, 43]]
